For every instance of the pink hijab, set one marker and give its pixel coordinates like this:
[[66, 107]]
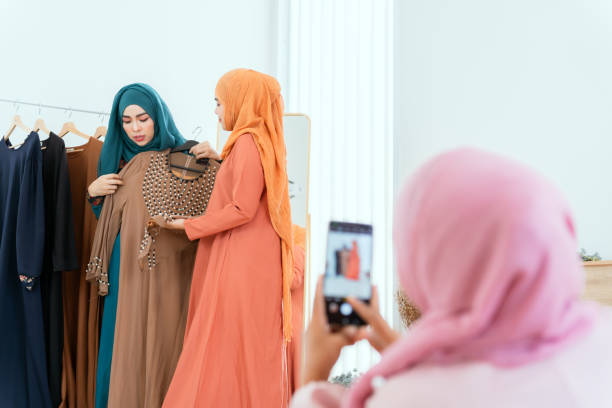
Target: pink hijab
[[486, 248]]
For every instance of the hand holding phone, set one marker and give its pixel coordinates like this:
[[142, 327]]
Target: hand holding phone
[[321, 345], [379, 334]]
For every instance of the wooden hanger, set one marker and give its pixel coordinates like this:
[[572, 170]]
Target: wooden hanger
[[40, 125], [100, 132], [69, 127], [16, 122]]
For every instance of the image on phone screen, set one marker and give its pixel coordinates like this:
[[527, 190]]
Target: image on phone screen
[[348, 269]]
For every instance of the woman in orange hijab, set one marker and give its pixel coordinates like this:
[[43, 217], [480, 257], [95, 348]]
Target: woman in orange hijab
[[239, 321]]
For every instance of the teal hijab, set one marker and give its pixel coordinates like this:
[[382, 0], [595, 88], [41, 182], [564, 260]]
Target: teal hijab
[[117, 144]]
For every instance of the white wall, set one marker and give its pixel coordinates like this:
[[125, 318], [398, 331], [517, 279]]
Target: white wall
[[79, 54], [528, 78]]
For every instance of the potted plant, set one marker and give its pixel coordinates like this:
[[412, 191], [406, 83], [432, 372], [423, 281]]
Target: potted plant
[[589, 258], [346, 379]]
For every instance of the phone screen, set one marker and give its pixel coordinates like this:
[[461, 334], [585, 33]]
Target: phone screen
[[348, 269]]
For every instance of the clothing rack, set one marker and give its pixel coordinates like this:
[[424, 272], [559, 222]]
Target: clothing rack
[[196, 132], [40, 106]]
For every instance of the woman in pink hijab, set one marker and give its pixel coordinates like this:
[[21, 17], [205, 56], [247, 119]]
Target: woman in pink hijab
[[486, 249]]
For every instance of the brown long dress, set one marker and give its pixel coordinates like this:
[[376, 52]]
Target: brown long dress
[[82, 310], [155, 274]]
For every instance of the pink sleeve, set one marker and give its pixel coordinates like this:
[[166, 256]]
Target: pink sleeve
[[318, 395], [247, 186]]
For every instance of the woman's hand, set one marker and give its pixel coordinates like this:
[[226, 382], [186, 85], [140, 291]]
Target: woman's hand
[[203, 150], [104, 185], [177, 224], [322, 346], [379, 333]]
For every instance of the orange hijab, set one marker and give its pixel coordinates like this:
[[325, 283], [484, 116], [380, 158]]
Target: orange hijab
[[252, 104]]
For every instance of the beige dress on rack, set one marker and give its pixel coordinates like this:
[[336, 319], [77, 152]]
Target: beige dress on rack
[[155, 274]]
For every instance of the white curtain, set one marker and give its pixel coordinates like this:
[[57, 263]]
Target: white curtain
[[335, 63]]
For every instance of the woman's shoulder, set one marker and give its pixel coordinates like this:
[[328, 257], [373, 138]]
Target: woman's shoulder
[[245, 140], [474, 385], [244, 145], [573, 377]]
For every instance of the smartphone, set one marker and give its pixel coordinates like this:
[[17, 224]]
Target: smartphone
[[348, 269]]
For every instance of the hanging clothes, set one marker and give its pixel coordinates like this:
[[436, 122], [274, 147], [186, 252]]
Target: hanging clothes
[[154, 275], [82, 305], [23, 368], [59, 255]]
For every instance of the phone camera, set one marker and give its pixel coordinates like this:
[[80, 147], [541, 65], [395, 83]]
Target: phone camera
[[346, 309]]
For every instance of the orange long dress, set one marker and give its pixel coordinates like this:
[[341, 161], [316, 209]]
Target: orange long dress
[[233, 350]]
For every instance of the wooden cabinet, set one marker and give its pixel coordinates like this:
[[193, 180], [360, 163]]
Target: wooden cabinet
[[598, 281]]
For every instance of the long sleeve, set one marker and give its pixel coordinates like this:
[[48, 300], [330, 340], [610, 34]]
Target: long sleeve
[[96, 205], [64, 248], [97, 202], [247, 186], [109, 224], [30, 233], [108, 227]]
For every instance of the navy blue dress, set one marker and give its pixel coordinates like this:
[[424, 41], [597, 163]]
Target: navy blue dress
[[23, 369]]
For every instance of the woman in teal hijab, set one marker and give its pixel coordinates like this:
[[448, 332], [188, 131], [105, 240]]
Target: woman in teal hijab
[[139, 122], [119, 144]]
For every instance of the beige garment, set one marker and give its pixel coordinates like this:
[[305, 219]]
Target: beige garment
[[155, 274]]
